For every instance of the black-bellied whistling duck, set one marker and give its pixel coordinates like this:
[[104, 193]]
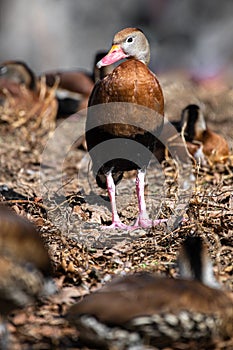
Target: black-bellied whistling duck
[[143, 309], [201, 141], [21, 90], [134, 84], [25, 265]]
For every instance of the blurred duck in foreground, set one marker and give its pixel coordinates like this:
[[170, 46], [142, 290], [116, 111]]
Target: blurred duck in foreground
[[139, 310], [24, 97], [202, 143], [75, 86], [25, 266]]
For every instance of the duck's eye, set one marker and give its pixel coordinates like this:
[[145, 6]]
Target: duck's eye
[[129, 40]]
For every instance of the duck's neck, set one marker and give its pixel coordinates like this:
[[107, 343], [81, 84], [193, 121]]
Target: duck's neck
[[143, 52], [144, 57], [194, 263], [200, 126]]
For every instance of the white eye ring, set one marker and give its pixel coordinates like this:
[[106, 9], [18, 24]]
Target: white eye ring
[[129, 39]]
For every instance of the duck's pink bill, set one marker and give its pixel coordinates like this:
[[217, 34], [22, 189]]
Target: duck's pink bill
[[115, 54]]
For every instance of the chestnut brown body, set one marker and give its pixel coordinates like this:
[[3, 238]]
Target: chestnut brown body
[[124, 119], [131, 82], [146, 309], [200, 138]]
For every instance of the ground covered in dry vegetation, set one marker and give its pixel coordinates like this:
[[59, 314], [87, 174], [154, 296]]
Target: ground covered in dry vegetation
[[84, 255]]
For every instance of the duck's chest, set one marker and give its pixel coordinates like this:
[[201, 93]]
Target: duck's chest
[[133, 82]]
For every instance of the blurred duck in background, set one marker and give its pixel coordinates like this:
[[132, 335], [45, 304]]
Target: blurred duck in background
[[16, 73], [73, 90], [24, 97], [75, 86], [203, 144]]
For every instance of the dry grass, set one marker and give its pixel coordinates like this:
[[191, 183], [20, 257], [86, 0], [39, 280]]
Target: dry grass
[[80, 268]]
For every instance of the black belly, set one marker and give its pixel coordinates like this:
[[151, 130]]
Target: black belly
[[118, 154]]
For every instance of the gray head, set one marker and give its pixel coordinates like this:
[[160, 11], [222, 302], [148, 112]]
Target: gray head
[[128, 43], [134, 44]]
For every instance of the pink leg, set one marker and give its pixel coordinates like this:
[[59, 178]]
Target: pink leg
[[116, 222], [143, 218]]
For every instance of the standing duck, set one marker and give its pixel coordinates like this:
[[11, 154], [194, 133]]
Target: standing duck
[[120, 119], [202, 142], [143, 309]]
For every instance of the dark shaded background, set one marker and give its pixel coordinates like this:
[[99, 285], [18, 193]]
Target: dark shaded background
[[47, 34]]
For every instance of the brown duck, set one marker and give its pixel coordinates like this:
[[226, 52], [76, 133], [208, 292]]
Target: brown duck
[[25, 265], [25, 96], [143, 309], [128, 120], [202, 143]]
